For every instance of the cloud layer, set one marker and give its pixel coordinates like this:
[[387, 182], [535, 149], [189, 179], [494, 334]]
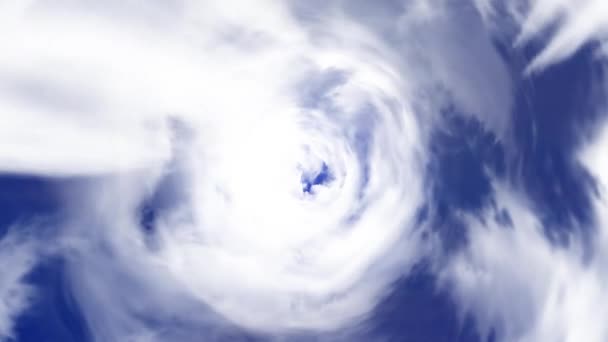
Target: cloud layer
[[282, 150]]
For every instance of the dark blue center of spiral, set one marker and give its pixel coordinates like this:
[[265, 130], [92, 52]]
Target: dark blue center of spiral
[[320, 177]]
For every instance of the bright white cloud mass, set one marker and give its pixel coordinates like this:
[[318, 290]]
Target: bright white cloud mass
[[291, 140]]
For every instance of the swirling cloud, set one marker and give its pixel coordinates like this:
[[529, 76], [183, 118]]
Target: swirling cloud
[[304, 166], [284, 147]]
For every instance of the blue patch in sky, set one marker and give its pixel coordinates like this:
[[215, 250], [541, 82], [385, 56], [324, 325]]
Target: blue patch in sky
[[320, 177], [462, 156], [25, 197], [420, 311], [32, 202], [54, 314], [554, 111]]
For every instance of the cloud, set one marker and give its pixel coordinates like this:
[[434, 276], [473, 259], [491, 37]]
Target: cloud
[[518, 285], [18, 255], [101, 91], [521, 287], [578, 23], [568, 25]]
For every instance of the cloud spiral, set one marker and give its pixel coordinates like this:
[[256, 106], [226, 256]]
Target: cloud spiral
[[297, 147], [266, 166]]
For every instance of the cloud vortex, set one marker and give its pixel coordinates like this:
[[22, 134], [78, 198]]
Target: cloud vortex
[[267, 166], [291, 152]]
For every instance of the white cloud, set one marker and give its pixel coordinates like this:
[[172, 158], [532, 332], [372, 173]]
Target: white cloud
[[18, 254], [519, 285], [88, 90], [579, 22], [513, 280], [567, 25]]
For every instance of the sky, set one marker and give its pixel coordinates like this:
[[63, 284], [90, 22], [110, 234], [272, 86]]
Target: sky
[[283, 170]]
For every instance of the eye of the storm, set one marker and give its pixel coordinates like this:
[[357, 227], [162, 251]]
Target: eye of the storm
[[310, 180]]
